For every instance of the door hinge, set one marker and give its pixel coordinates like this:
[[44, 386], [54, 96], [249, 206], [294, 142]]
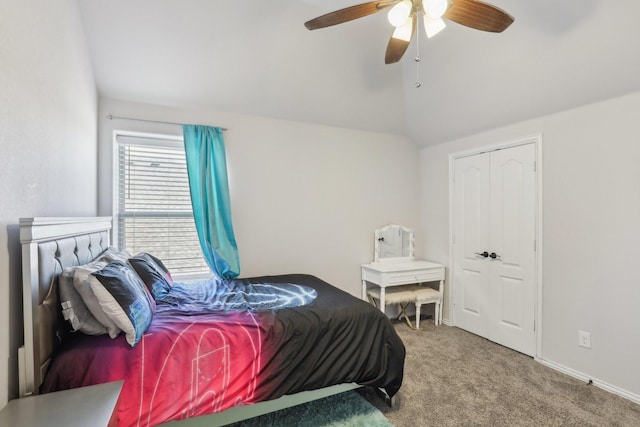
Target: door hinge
[[535, 245], [535, 166]]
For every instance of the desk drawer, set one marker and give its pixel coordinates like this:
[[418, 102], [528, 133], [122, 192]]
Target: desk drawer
[[407, 277]]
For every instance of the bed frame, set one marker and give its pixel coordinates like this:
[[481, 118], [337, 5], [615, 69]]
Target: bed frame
[[48, 246]]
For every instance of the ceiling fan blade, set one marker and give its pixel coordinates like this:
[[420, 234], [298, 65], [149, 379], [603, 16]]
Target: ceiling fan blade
[[348, 14], [397, 47], [479, 15]]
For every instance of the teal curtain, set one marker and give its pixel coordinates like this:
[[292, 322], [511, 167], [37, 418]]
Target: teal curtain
[[209, 186]]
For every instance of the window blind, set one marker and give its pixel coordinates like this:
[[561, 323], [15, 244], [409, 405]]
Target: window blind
[[154, 205]]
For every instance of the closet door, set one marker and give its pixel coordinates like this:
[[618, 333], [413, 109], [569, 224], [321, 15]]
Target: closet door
[[494, 246], [471, 235]]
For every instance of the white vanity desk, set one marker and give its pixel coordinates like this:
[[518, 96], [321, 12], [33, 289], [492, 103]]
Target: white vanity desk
[[387, 274], [394, 265]]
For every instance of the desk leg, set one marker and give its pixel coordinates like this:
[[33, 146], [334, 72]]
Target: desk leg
[[382, 295], [364, 290], [441, 302]]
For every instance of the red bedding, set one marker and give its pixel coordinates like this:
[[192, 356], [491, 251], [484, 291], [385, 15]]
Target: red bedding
[[189, 365]]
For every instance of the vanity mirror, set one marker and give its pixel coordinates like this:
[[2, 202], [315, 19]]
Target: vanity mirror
[[393, 243]]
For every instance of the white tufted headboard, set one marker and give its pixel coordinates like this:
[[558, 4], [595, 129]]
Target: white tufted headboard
[[48, 246]]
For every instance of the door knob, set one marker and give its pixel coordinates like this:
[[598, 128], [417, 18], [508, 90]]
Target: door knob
[[493, 255], [483, 254]]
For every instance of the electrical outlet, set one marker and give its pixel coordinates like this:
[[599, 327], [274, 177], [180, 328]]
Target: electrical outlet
[[584, 339]]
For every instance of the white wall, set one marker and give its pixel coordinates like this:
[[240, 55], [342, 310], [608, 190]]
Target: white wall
[[591, 235], [304, 198], [48, 107]]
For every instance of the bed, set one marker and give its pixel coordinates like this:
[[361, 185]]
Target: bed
[[207, 364]]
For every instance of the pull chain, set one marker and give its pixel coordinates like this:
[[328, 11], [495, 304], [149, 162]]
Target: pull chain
[[417, 58]]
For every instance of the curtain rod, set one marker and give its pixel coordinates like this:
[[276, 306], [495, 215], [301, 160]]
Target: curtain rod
[[111, 117]]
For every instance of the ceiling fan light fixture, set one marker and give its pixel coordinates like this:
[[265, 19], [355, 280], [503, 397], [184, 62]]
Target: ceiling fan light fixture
[[435, 9], [399, 13], [476, 14], [433, 26], [405, 31]]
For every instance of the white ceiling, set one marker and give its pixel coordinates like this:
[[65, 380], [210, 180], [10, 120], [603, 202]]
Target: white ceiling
[[256, 57]]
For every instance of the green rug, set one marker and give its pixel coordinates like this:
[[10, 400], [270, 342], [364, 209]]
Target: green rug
[[341, 410]]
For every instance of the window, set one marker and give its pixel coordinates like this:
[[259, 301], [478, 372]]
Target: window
[[152, 206]]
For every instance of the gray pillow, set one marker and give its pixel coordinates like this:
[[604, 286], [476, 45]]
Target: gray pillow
[[74, 309]]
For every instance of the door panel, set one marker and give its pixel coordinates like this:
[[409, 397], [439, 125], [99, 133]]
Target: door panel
[[512, 237], [471, 277], [510, 215], [473, 207], [510, 290], [471, 283]]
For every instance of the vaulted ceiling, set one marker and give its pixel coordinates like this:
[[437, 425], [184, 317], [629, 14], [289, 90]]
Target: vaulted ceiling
[[256, 57]]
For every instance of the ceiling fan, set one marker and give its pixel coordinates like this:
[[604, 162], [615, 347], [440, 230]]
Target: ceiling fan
[[403, 15]]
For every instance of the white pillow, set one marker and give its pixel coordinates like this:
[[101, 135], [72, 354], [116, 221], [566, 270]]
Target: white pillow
[[81, 278]]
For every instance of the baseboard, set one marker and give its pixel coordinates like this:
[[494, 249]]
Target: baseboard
[[586, 378], [580, 376]]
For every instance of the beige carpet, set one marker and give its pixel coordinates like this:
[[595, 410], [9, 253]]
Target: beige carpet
[[454, 378]]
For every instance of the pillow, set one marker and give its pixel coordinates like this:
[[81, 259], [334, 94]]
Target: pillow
[[114, 254], [74, 309], [123, 298], [81, 278], [153, 273]]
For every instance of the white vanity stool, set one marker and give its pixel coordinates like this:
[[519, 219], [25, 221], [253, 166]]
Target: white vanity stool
[[407, 294], [397, 277]]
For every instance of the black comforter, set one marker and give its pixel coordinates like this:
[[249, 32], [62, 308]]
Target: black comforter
[[203, 356]]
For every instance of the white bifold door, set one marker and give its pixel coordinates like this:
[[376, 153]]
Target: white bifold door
[[494, 262]]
